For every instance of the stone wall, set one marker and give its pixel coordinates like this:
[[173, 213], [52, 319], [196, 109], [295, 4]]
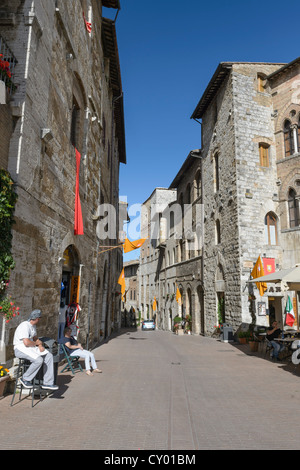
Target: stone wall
[[58, 60]]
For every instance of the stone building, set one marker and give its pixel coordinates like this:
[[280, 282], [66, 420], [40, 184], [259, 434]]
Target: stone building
[[151, 255], [171, 258], [131, 305], [250, 163], [246, 179], [68, 96]]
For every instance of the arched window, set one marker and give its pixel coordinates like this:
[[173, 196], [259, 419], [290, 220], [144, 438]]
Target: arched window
[[298, 134], [198, 185], [218, 232], [289, 147], [77, 131], [216, 172], [293, 204], [188, 194], [271, 229]]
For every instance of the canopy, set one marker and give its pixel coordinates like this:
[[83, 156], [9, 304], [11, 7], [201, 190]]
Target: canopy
[[290, 276]]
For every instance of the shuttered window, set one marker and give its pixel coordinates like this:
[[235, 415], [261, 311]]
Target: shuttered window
[[264, 154]]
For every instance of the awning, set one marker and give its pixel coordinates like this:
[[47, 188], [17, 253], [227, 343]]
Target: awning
[[289, 276]]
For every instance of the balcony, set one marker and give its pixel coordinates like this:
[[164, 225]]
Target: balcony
[[7, 66]]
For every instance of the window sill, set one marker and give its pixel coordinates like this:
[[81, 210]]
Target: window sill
[[294, 229], [285, 159]]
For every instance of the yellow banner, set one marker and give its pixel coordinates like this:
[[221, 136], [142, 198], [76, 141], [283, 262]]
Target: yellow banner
[[258, 271], [75, 283], [121, 281], [133, 245]]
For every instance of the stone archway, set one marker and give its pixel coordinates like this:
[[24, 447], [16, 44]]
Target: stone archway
[[70, 284], [220, 294], [199, 311]]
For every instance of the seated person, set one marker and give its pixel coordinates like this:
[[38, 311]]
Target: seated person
[[75, 349], [28, 346], [274, 332]]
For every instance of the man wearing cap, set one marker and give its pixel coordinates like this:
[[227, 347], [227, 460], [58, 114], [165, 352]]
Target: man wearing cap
[[28, 346]]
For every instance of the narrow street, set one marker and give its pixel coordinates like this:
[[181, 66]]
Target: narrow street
[[159, 391]]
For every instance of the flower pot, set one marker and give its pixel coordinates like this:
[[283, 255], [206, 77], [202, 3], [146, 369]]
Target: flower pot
[[253, 346], [3, 381], [242, 340]]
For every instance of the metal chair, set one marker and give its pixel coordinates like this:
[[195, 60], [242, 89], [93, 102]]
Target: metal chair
[[269, 346], [36, 386], [72, 362]]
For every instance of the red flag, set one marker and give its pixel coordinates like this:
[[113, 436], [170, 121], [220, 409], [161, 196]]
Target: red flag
[[269, 265], [87, 24], [78, 223]]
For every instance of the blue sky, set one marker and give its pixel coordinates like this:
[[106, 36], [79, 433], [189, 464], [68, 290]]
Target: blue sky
[[169, 50]]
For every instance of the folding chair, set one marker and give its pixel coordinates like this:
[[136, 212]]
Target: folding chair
[[72, 362]]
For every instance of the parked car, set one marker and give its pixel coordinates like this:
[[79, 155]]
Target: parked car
[[148, 325]]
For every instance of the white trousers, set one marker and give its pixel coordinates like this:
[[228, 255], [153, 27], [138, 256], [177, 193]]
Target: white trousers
[[87, 356], [46, 361]]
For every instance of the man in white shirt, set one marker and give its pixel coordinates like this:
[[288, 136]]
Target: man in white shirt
[[28, 346]]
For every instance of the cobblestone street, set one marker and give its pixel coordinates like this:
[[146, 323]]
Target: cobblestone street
[[159, 391]]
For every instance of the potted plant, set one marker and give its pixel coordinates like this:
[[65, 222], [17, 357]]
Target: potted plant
[[188, 324], [8, 308], [177, 323], [243, 336], [4, 377], [217, 330], [253, 343]]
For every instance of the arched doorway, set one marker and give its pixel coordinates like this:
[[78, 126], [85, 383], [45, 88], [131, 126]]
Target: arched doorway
[[70, 283], [189, 306], [199, 311], [103, 326], [220, 294]]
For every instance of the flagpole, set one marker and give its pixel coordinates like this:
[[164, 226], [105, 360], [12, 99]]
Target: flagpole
[[109, 249]]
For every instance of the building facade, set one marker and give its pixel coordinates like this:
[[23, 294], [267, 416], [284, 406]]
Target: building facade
[[250, 170], [64, 142], [130, 308], [245, 178]]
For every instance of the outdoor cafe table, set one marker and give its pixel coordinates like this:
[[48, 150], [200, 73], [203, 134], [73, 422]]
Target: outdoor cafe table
[[291, 332], [287, 342]]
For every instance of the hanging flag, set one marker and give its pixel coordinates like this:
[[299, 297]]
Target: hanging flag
[[269, 265], [290, 316], [258, 271], [133, 245], [154, 305], [87, 24], [178, 297], [78, 223], [121, 281]]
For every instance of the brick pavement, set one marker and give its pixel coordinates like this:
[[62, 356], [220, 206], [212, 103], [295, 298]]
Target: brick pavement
[[159, 391]]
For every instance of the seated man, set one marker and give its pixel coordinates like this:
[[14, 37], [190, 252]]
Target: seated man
[[274, 332], [75, 349], [28, 346]]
